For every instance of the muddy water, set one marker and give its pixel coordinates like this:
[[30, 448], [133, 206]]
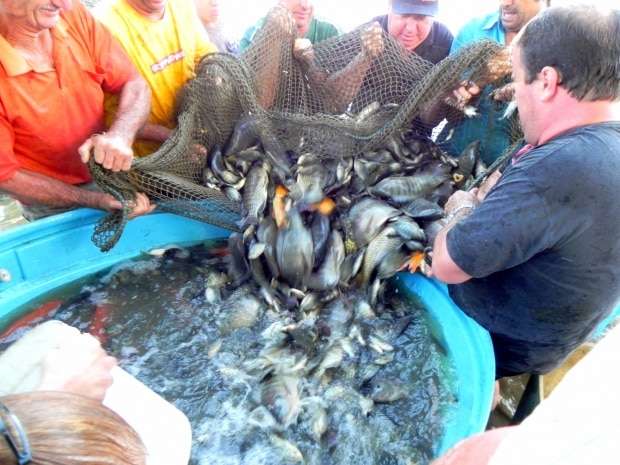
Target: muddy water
[[255, 394]]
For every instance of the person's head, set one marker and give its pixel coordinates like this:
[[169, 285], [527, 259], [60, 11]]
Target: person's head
[[514, 14], [302, 11], [67, 429], [151, 8], [208, 11], [410, 21], [33, 15], [566, 64]]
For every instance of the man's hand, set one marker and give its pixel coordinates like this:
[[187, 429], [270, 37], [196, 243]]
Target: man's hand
[[461, 200], [372, 40], [112, 152], [79, 366], [504, 94], [140, 206], [303, 50], [462, 95]]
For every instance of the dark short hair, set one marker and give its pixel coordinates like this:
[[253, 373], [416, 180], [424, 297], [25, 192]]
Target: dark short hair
[[582, 43]]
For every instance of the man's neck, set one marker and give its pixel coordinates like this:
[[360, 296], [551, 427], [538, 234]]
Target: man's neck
[[575, 115], [24, 38], [153, 15]]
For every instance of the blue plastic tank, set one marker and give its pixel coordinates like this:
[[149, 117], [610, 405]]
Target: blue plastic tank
[[58, 250]]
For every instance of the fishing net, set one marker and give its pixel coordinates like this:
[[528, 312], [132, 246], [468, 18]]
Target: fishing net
[[333, 102]]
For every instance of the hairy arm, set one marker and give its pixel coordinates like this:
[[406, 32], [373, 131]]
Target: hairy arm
[[154, 132], [113, 149], [34, 188], [343, 85], [444, 267]]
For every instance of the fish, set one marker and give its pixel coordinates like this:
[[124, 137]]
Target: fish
[[295, 251], [408, 229], [367, 217], [241, 310], [255, 193], [218, 168], [317, 416], [320, 229], [289, 451], [386, 241], [243, 137], [237, 263], [311, 180], [393, 262], [432, 229], [367, 112], [332, 359], [267, 234], [280, 395], [422, 209], [385, 390], [467, 163], [351, 265], [404, 189], [279, 205], [328, 275]]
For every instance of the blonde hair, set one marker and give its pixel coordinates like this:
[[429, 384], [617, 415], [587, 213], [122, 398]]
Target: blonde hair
[[67, 429]]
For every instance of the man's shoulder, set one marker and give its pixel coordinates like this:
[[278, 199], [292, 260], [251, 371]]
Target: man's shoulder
[[480, 24], [113, 13], [78, 18], [574, 141], [442, 33], [573, 152]]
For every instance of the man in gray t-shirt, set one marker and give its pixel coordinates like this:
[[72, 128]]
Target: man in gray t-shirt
[[537, 260]]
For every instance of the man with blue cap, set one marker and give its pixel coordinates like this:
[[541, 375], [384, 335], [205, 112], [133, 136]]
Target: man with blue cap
[[412, 24]]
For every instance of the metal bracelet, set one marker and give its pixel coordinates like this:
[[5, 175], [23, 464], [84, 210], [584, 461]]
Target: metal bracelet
[[19, 445]]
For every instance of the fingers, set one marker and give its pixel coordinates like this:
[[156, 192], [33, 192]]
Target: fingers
[[110, 152], [142, 206], [372, 40], [85, 150], [109, 203]]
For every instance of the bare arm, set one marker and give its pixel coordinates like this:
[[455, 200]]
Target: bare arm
[[113, 149], [154, 132], [133, 109], [459, 206], [34, 188], [444, 268], [343, 85]]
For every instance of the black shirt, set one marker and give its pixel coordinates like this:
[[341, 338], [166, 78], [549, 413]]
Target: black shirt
[[544, 250], [435, 47]]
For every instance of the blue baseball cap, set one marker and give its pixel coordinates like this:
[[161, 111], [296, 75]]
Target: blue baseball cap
[[415, 7]]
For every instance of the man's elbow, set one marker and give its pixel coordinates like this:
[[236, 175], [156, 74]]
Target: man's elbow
[[138, 86], [445, 270]]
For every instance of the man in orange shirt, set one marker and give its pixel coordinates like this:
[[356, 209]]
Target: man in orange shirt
[[55, 64]]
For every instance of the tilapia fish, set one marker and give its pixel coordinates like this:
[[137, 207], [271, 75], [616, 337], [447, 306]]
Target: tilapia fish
[[295, 251], [405, 189]]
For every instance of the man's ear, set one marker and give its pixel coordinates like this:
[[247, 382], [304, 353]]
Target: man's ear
[[549, 79]]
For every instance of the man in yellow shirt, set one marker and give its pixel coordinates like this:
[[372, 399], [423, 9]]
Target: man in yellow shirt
[[165, 40]]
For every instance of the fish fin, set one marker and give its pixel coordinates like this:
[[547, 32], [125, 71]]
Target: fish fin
[[414, 261]]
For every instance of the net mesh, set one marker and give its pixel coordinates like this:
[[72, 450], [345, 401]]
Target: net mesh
[[333, 102]]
